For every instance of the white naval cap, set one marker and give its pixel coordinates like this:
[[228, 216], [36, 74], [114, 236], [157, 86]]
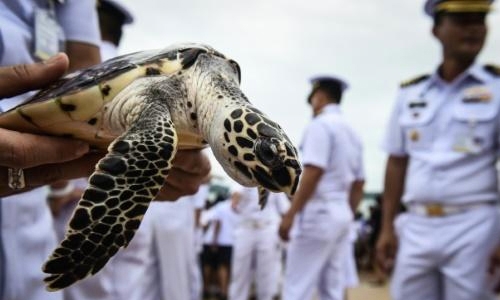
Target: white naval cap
[[457, 6]]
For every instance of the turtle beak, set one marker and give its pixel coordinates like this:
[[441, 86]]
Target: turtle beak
[[283, 169]]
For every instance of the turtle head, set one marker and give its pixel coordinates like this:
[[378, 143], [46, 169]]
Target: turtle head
[[255, 151], [251, 148]]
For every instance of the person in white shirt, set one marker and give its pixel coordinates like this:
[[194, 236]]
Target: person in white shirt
[[443, 143], [321, 212], [218, 243], [27, 235], [257, 249]]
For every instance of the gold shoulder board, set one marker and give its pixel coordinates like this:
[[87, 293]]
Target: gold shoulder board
[[492, 69], [414, 80]]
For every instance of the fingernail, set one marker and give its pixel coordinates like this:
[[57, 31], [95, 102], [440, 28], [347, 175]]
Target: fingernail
[[54, 59]]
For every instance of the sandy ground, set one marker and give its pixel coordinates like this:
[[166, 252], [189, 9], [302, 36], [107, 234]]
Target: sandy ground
[[367, 291]]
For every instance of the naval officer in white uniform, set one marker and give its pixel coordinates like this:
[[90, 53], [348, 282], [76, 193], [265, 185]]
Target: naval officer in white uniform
[[320, 211], [443, 143]]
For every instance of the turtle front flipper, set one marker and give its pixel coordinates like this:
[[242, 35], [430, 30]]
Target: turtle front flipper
[[111, 209]]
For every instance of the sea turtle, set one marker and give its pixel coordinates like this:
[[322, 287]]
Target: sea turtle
[[143, 107]]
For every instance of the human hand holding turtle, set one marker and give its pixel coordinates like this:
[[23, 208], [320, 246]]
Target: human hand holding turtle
[[46, 159]]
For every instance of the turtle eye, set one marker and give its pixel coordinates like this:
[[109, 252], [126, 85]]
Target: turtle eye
[[236, 68], [267, 152]]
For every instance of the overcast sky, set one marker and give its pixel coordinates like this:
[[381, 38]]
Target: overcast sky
[[280, 44]]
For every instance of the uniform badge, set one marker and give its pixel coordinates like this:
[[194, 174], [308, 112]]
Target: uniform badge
[[414, 136], [468, 144], [417, 104], [416, 107], [477, 94]]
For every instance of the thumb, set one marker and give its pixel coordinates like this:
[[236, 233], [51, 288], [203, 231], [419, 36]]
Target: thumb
[[18, 79]]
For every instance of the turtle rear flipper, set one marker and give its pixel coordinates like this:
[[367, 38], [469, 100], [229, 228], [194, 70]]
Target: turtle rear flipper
[[120, 190]]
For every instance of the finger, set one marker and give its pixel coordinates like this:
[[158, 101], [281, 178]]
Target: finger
[[169, 192], [47, 174], [192, 162], [283, 233], [185, 183], [381, 258], [18, 79], [491, 266], [494, 263], [23, 150], [182, 183]]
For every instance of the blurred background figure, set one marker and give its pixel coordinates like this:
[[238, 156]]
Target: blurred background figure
[[199, 201], [321, 210], [257, 249], [27, 234], [174, 232], [351, 279], [442, 144], [375, 222], [220, 222], [113, 16]]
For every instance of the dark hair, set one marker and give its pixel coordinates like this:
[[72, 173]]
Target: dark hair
[[333, 91], [438, 18], [111, 21]]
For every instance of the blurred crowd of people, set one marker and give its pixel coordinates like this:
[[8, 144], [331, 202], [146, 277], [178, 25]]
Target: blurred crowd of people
[[435, 227]]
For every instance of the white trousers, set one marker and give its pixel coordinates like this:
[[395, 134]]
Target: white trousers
[[174, 235], [28, 237], [256, 254], [351, 278], [316, 252], [445, 258]]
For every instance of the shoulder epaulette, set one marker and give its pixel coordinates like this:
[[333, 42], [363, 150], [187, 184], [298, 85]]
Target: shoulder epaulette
[[492, 69], [414, 80]]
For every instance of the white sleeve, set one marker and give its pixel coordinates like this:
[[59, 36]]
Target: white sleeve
[[217, 211], [79, 21], [248, 200], [201, 196], [394, 141], [316, 145], [282, 202], [208, 215]]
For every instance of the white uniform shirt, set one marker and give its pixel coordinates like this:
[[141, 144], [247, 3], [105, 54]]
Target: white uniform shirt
[[200, 198], [108, 50], [34, 235], [332, 145], [224, 213], [77, 19], [450, 131], [249, 209]]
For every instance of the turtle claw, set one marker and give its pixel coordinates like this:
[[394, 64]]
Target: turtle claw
[[263, 195]]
